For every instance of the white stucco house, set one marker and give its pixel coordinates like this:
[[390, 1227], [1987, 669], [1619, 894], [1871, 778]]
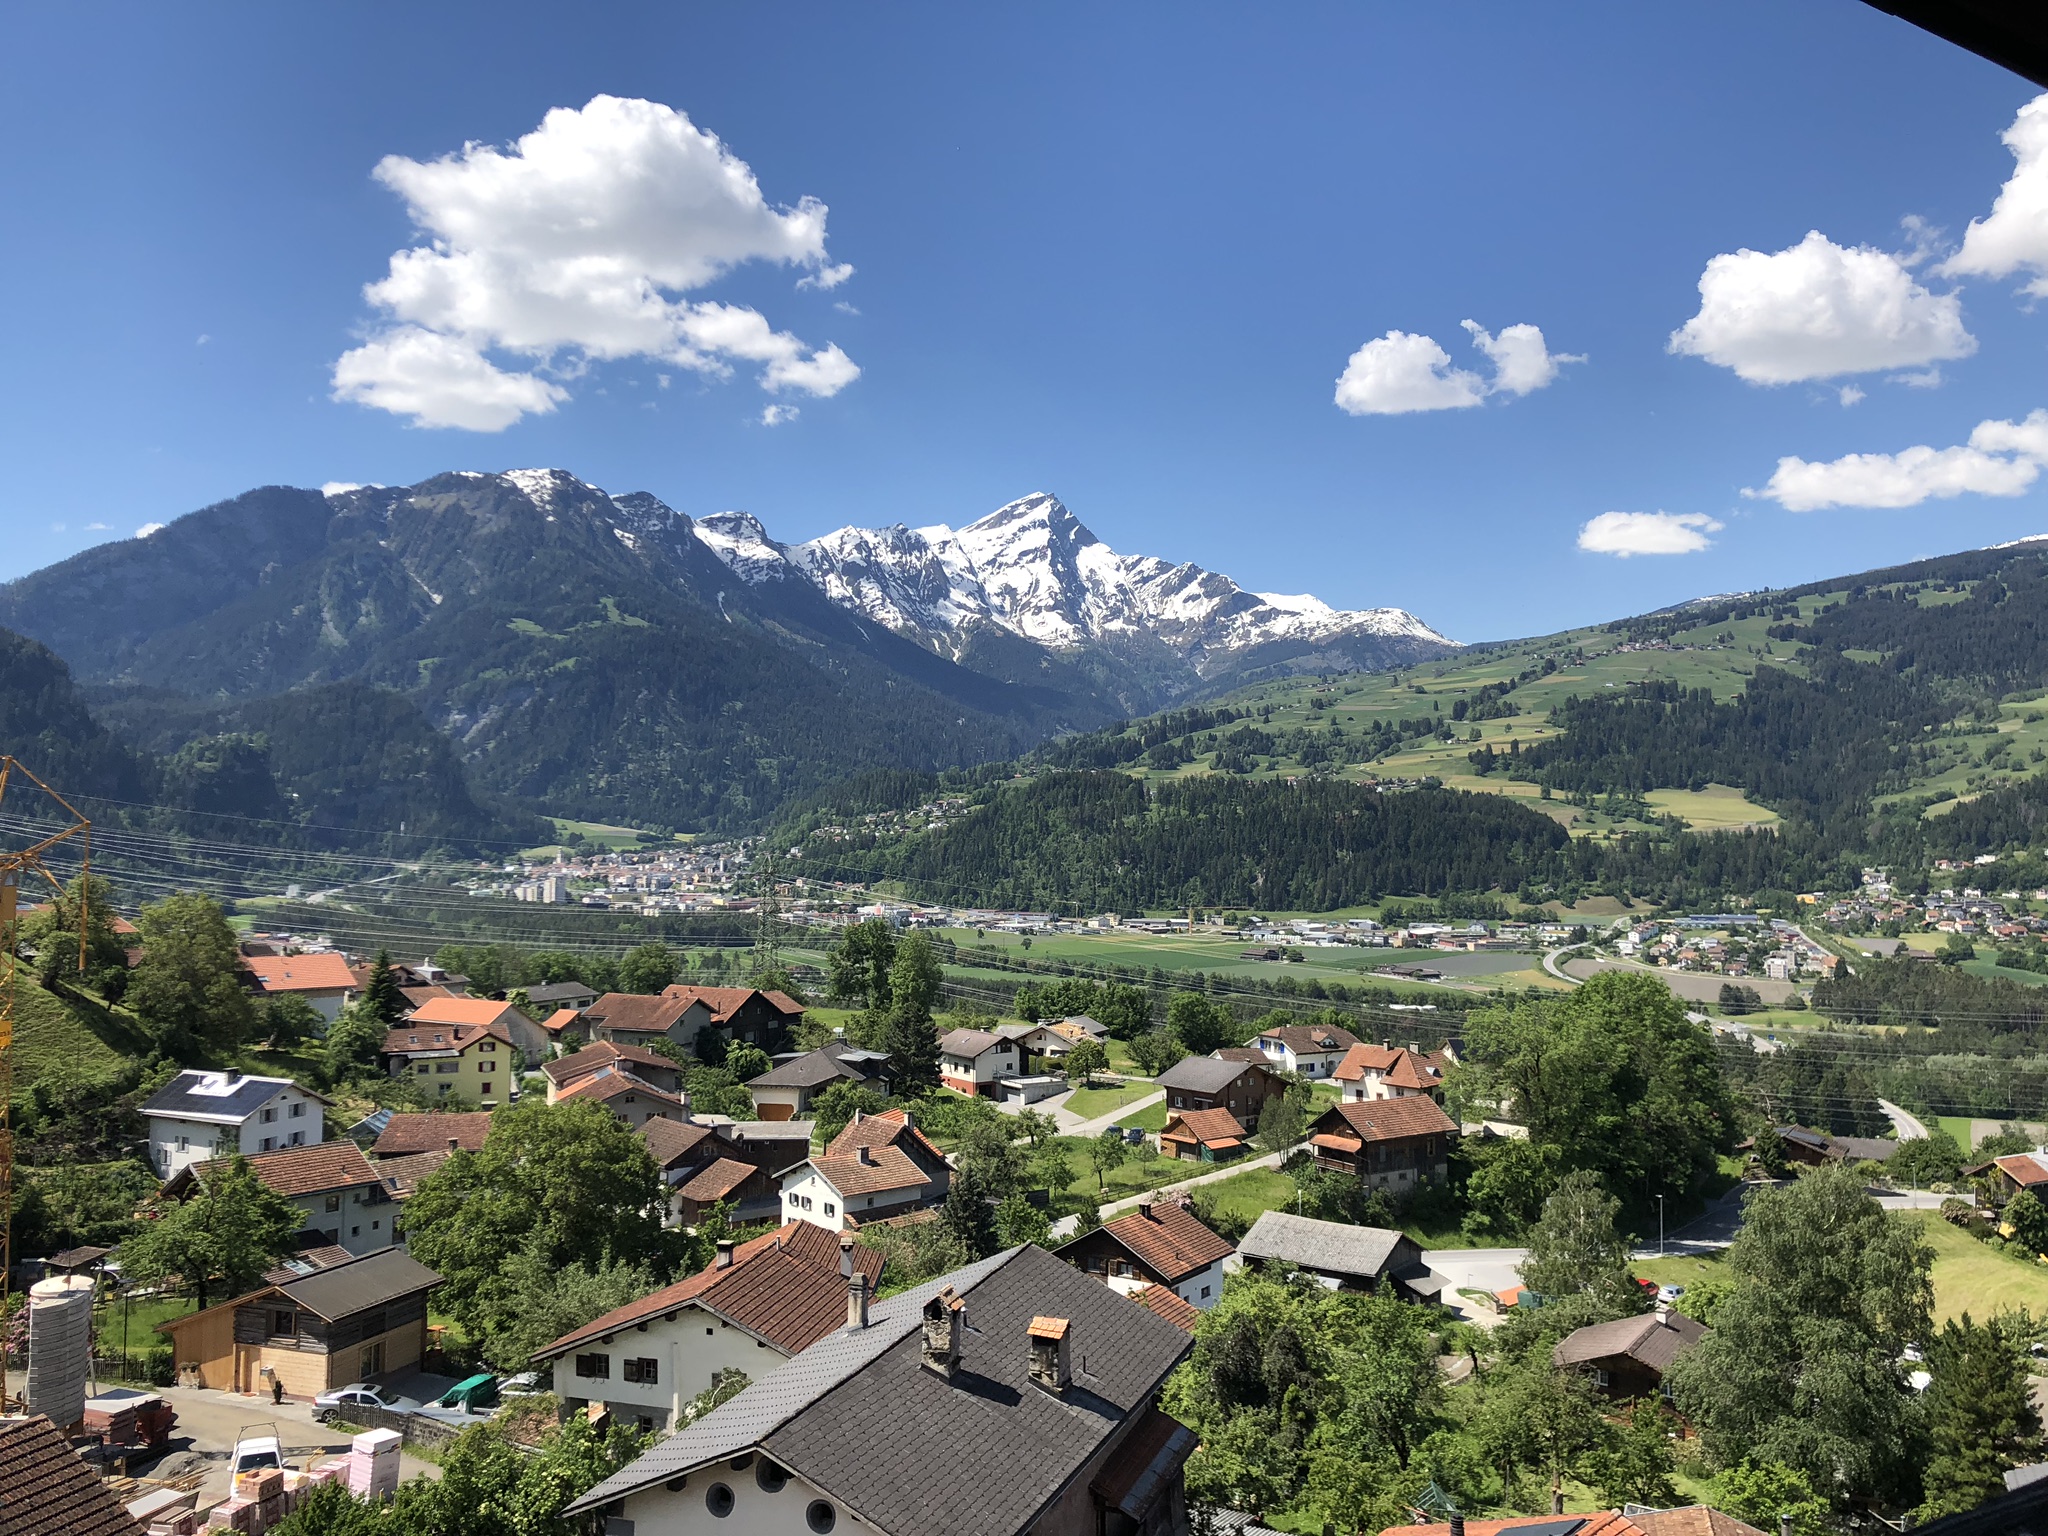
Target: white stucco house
[[200, 1115]]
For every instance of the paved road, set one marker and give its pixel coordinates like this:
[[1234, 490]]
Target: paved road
[[1116, 1208], [1551, 966], [1906, 1126]]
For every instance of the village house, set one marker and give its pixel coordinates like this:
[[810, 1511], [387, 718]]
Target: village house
[[1627, 1358], [198, 1115], [1386, 1072], [704, 1165], [759, 1303], [565, 1029], [1345, 1257], [650, 1067], [766, 1019], [973, 1061], [550, 996], [879, 1166], [787, 1090], [470, 1061], [1815, 1148], [1307, 1050], [1396, 1145], [844, 1437], [323, 980], [1204, 1082], [2015, 1172], [1162, 1243], [532, 1041], [405, 1134], [1202, 1136], [341, 1198], [625, 1094], [350, 1322]]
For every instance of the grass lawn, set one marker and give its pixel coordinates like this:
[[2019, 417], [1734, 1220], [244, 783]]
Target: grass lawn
[[1151, 1118], [77, 1031], [1246, 1195], [1145, 1169], [1957, 1126], [1717, 808], [1974, 1278], [1091, 1102], [1968, 1275], [130, 1328]]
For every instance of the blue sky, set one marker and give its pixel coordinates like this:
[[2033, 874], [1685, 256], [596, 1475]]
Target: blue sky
[[1118, 253]]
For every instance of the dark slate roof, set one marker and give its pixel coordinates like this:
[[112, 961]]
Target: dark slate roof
[[559, 992], [1653, 1340], [839, 1061], [859, 1415], [1204, 1074], [236, 1099], [45, 1490], [1332, 1247], [368, 1282]]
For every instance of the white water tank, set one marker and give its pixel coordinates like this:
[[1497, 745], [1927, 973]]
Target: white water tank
[[59, 1347]]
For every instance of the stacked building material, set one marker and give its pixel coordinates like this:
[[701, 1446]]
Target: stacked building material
[[373, 1464]]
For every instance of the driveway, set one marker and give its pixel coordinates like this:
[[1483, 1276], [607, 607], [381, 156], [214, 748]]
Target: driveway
[[1478, 1269], [210, 1422]]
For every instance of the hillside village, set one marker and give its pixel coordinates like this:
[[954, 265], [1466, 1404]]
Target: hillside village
[[680, 1226]]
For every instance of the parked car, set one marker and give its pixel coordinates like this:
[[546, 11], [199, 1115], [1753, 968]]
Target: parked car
[[362, 1394], [1670, 1292], [258, 1449]]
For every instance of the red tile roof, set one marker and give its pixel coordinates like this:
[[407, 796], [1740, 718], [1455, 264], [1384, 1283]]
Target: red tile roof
[[888, 1168], [600, 1054], [1157, 1298], [794, 1296], [724, 1002], [608, 1083], [301, 973], [891, 1128], [49, 1491], [402, 1175], [423, 1036], [299, 1170], [432, 1132], [1606, 1522], [1693, 1520], [718, 1181], [2023, 1168], [671, 1141], [461, 1010], [560, 1020], [1402, 1068], [1169, 1240], [637, 1014], [1388, 1119], [1212, 1127]]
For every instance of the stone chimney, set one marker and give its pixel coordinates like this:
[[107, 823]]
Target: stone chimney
[[856, 1284], [1050, 1337], [943, 1316], [725, 1251]]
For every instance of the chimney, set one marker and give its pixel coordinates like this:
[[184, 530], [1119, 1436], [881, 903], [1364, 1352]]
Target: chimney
[[1784, 1524], [1049, 1358], [856, 1284], [1663, 1311], [866, 1156], [1148, 1209], [725, 1249], [943, 1315]]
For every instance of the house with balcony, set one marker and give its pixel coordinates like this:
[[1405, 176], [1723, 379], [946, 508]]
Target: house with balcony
[[1307, 1050], [1208, 1082], [341, 1198], [1397, 1145]]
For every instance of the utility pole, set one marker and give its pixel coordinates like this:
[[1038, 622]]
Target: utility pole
[[1660, 1226]]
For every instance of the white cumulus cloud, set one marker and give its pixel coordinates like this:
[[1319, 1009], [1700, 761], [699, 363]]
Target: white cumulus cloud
[[1401, 372], [1647, 533], [2014, 235], [776, 415], [2002, 458], [96, 527], [1818, 310], [579, 244]]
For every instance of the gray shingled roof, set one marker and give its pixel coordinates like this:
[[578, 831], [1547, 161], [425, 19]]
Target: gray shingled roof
[[1330, 1246], [828, 1064], [1202, 1074], [368, 1282], [182, 1097], [858, 1415]]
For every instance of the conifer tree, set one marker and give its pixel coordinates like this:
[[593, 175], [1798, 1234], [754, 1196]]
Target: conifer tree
[[381, 992], [1981, 1418]]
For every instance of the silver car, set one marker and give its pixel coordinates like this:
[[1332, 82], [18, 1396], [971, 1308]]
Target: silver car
[[362, 1394]]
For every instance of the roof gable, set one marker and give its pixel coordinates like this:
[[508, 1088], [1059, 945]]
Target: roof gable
[[1166, 1238], [310, 1170], [1205, 1125]]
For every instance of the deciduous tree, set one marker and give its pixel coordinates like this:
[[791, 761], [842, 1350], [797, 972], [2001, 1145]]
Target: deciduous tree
[[913, 1045], [187, 988], [647, 968], [232, 1229], [859, 964]]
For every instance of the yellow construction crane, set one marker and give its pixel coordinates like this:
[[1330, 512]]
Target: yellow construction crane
[[14, 865]]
